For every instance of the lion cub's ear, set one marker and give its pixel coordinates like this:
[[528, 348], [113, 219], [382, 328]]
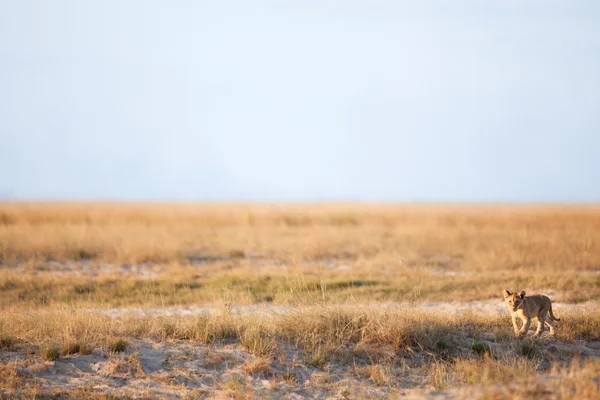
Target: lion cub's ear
[[522, 294], [507, 293]]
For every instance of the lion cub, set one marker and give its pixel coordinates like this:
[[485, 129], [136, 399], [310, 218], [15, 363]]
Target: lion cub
[[530, 307]]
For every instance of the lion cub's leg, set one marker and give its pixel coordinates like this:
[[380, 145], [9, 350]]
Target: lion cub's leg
[[551, 326], [525, 327], [541, 319], [515, 326]]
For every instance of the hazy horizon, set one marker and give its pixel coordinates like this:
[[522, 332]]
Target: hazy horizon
[[337, 101]]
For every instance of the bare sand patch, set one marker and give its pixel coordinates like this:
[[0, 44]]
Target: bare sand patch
[[176, 368], [494, 307]]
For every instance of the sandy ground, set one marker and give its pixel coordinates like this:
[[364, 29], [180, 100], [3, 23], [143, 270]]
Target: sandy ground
[[173, 369]]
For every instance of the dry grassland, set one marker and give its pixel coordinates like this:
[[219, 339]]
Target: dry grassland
[[342, 290], [283, 254]]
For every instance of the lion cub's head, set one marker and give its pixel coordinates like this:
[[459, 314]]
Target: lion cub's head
[[514, 300]]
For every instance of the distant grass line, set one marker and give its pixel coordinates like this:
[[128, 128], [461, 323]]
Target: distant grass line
[[464, 237], [186, 285]]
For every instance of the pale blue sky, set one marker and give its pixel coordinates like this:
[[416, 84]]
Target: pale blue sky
[[304, 100]]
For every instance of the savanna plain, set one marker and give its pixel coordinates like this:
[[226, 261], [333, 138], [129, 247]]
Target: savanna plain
[[295, 301]]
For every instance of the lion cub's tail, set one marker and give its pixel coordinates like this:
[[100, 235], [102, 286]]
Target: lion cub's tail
[[552, 315]]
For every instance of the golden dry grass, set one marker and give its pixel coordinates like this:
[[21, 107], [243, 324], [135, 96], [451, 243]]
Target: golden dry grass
[[332, 330], [286, 254], [477, 237]]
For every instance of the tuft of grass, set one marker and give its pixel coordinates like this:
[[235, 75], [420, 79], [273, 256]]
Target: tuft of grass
[[440, 374], [321, 378], [7, 342], [482, 349], [376, 373], [234, 382], [70, 348], [444, 347], [168, 329], [234, 387], [83, 289], [258, 366], [289, 376], [258, 342], [528, 348], [85, 347], [318, 358], [50, 352], [237, 254], [126, 365], [117, 345]]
